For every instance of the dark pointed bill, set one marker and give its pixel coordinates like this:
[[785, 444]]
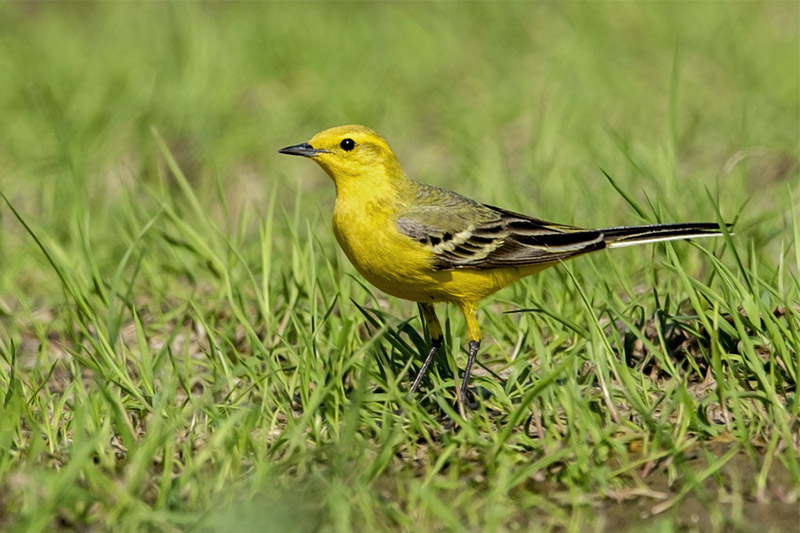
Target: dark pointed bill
[[305, 149]]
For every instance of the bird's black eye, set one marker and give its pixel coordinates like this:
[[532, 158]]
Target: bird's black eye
[[347, 144]]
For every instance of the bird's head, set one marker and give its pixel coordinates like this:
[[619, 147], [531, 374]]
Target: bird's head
[[352, 155]]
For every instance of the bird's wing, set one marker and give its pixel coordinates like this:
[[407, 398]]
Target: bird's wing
[[463, 234]]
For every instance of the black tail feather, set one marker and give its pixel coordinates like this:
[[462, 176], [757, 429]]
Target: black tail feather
[[629, 235]]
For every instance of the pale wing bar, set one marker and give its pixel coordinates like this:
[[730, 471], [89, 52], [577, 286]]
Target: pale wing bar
[[518, 243], [507, 241], [515, 240]]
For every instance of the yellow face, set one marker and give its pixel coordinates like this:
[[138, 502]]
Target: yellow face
[[349, 153]]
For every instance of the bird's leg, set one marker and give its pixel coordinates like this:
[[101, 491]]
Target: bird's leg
[[470, 311], [435, 332], [435, 343], [473, 352]]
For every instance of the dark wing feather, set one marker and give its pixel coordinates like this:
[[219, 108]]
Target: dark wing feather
[[463, 234], [467, 235]]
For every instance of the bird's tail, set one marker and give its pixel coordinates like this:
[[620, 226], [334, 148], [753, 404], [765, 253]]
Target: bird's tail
[[630, 235]]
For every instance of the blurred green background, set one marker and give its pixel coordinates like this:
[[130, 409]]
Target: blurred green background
[[685, 104], [537, 96]]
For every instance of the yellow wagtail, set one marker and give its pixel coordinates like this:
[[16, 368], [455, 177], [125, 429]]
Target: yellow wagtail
[[428, 245]]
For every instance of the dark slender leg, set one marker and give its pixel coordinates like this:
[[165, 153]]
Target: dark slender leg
[[435, 332], [473, 352], [470, 310], [435, 343]]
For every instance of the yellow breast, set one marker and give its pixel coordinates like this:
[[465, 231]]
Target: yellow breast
[[402, 267]]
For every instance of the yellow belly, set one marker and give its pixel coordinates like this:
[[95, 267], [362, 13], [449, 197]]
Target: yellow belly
[[400, 266], [465, 285]]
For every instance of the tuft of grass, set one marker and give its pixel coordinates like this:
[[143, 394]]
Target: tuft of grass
[[183, 346]]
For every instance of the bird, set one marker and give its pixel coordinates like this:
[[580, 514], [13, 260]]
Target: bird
[[431, 245]]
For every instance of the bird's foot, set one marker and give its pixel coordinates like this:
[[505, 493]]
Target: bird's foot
[[473, 397]]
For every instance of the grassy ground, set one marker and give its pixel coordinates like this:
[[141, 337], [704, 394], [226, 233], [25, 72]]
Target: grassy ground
[[184, 347]]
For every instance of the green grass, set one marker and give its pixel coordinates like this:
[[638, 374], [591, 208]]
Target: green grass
[[184, 347]]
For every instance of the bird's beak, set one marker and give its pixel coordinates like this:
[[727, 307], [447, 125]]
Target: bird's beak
[[305, 149]]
